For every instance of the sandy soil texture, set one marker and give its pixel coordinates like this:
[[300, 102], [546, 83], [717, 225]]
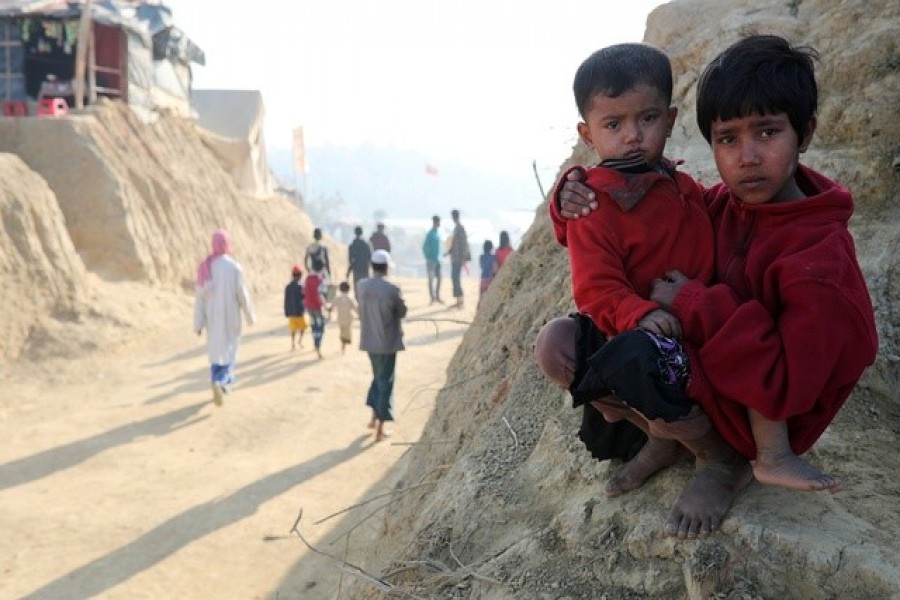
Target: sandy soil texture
[[120, 479]]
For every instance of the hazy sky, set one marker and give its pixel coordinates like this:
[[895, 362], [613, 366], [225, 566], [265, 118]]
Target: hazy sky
[[483, 82]]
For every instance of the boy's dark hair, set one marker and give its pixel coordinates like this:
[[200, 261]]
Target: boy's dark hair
[[357, 231], [488, 246], [617, 69], [344, 286], [761, 74]]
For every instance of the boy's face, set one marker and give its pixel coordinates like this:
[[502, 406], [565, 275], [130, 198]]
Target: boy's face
[[635, 123], [757, 156]]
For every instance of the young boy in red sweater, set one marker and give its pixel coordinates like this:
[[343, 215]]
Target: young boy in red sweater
[[649, 218], [778, 343]]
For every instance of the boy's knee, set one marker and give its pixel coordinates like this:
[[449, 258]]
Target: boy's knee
[[554, 350]]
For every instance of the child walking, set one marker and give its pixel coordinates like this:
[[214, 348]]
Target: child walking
[[314, 297], [293, 307], [346, 307]]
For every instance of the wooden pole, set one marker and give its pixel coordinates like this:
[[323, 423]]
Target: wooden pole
[[81, 52]]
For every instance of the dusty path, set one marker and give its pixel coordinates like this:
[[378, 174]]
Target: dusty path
[[120, 479]]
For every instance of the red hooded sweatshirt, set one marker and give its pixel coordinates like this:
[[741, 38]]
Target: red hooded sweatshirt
[[645, 225], [789, 328]]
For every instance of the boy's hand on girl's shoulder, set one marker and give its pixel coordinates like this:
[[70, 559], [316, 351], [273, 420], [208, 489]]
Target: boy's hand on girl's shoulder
[[575, 198], [666, 290], [661, 322]]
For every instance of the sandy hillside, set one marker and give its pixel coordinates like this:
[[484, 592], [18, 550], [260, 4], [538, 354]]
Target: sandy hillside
[[515, 508], [100, 199]]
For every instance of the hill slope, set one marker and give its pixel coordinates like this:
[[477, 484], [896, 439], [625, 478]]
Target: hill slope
[[501, 501], [100, 199]]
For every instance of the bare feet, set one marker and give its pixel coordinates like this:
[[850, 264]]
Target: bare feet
[[372, 423], [318, 353], [654, 456], [707, 497], [381, 432], [792, 472]]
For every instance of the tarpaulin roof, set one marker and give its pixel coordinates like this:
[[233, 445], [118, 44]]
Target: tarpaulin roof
[[151, 20]]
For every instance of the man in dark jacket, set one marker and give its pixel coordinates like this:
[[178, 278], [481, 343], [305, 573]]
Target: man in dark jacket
[[381, 307]]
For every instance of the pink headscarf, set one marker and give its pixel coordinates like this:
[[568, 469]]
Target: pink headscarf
[[221, 244]]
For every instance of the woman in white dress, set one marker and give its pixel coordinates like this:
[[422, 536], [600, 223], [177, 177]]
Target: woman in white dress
[[221, 297]]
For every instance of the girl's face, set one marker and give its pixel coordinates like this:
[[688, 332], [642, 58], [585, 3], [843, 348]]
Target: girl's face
[[757, 156], [632, 124]]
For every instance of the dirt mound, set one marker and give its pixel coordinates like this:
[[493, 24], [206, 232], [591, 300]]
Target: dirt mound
[[501, 500], [108, 199], [43, 275]]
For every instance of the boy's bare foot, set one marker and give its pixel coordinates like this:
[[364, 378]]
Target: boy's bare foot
[[654, 456], [372, 423], [707, 497], [792, 472], [318, 353]]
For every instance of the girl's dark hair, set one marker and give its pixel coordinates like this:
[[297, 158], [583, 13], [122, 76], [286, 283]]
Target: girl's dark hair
[[504, 239], [761, 74], [614, 70]]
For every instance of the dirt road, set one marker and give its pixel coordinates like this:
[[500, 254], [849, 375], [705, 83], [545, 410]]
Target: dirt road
[[120, 479]]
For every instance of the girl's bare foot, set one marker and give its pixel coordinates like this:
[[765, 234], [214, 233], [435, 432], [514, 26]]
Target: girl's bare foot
[[707, 497], [654, 456], [792, 472]]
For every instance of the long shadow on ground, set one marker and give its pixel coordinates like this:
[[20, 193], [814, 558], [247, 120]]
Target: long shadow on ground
[[167, 538], [68, 455]]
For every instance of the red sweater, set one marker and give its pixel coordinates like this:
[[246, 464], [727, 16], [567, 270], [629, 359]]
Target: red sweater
[[312, 299], [789, 328], [644, 226]]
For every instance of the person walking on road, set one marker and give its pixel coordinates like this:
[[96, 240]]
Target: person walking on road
[[221, 297], [379, 239], [317, 252], [358, 260], [459, 255], [381, 308], [431, 248]]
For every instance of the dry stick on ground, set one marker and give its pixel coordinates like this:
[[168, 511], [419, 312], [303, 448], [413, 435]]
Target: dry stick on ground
[[434, 322], [448, 386], [400, 493], [475, 574], [512, 431], [382, 585], [370, 500]]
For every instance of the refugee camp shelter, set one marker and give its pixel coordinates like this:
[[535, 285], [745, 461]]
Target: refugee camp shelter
[[234, 120], [134, 53]]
